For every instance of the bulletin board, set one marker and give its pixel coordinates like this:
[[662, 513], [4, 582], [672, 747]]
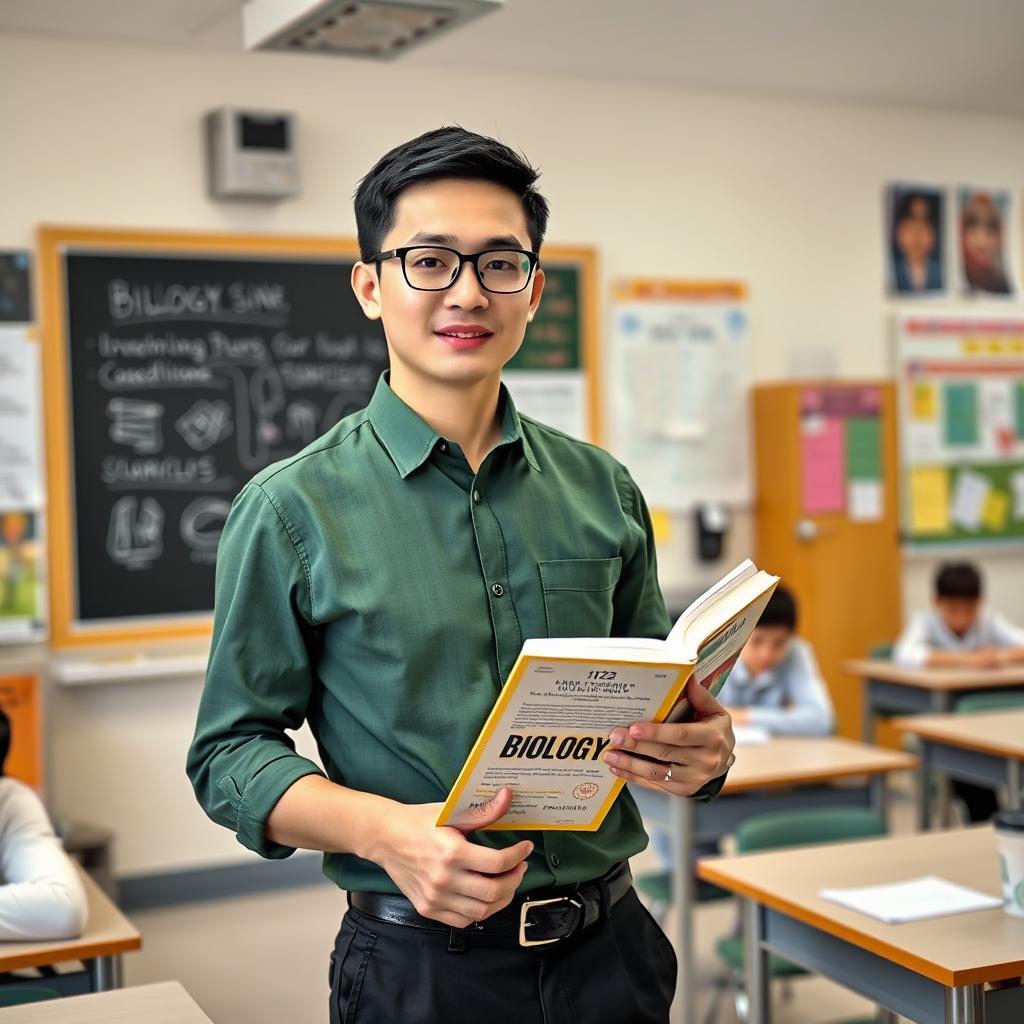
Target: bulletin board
[[961, 401], [680, 357]]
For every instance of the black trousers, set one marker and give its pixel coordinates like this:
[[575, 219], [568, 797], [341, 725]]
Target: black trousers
[[981, 801], [619, 971]]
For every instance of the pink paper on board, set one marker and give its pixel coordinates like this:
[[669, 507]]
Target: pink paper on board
[[823, 458]]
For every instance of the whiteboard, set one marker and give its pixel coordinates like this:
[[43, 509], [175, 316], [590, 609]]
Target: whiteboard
[[680, 353]]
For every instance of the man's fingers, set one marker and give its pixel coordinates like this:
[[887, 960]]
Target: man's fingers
[[701, 699], [486, 861], [493, 811], [668, 734], [659, 751], [655, 771], [490, 889]]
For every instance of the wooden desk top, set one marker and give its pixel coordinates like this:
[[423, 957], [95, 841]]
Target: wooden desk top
[[994, 732], [962, 949], [937, 678], [794, 761], [107, 933], [166, 1003]]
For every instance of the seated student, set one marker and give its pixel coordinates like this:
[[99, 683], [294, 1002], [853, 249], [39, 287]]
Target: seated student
[[41, 895], [958, 632], [775, 684]]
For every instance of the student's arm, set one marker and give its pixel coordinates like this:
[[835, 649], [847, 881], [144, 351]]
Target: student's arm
[[810, 711], [912, 650], [244, 768], [1009, 641], [43, 897]]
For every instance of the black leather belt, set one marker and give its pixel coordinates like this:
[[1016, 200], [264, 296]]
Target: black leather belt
[[534, 919]]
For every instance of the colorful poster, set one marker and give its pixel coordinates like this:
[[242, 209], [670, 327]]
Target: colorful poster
[[961, 402], [822, 458], [21, 473], [22, 595], [916, 229], [984, 223]]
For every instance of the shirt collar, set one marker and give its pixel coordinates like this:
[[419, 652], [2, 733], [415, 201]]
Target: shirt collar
[[409, 439]]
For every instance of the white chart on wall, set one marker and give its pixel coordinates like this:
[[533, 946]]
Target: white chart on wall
[[679, 385]]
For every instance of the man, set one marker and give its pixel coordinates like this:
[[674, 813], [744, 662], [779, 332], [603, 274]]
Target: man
[[381, 583]]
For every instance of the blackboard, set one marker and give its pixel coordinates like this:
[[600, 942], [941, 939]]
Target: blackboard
[[180, 367]]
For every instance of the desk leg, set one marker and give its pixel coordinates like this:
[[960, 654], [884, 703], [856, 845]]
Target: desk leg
[[924, 777], [965, 1005], [681, 816], [868, 725], [1013, 784], [879, 787], [942, 703], [755, 962], [104, 973]]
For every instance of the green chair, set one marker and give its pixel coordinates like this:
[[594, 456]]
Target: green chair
[[773, 831], [17, 996], [1001, 700]]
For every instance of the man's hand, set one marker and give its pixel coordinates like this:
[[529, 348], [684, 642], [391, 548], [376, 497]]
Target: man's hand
[[445, 876], [687, 755]]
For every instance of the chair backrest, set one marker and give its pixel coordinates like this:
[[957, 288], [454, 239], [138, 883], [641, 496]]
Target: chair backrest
[[882, 651], [815, 825], [999, 701]]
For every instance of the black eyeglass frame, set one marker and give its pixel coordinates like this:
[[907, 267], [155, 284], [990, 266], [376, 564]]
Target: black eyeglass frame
[[464, 257]]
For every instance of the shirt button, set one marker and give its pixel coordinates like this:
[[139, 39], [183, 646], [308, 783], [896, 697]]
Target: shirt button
[[554, 860], [497, 590], [443, 446], [476, 497]]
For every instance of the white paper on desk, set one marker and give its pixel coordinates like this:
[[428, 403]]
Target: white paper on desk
[[750, 735], [914, 900]]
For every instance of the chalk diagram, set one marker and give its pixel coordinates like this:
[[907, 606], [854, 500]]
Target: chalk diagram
[[204, 424], [136, 423], [201, 525], [301, 418], [135, 535]]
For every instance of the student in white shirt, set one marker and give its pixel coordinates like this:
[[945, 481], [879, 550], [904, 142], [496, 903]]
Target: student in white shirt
[[958, 632], [775, 684], [41, 894]]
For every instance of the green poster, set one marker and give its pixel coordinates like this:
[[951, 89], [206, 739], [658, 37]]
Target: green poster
[[553, 340], [863, 448], [961, 414]]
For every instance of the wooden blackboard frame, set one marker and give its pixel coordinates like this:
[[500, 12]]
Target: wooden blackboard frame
[[66, 630]]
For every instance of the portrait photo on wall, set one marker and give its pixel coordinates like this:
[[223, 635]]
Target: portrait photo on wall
[[984, 223], [916, 230]]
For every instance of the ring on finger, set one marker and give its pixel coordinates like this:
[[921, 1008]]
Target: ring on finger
[[668, 775]]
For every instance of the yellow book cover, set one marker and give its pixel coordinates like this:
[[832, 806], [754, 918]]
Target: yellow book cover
[[546, 735]]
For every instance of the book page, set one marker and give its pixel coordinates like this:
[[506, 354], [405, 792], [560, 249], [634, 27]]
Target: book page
[[547, 735]]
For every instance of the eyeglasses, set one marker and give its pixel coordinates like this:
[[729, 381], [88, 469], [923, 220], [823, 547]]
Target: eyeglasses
[[432, 268]]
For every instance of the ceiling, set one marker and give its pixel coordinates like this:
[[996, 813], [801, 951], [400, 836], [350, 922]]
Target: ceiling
[[962, 54]]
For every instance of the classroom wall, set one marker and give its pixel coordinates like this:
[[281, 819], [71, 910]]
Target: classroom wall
[[783, 193]]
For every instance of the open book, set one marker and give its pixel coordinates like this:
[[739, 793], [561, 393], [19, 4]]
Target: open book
[[547, 733]]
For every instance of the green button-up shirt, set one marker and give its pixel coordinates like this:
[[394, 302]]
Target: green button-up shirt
[[376, 586]]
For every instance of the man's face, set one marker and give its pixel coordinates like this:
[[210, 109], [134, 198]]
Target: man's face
[[766, 647], [421, 326], [914, 234], [958, 613]]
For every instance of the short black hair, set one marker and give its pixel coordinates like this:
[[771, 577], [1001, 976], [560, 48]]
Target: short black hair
[[5, 740], [450, 152], [904, 208], [958, 579], [780, 610]]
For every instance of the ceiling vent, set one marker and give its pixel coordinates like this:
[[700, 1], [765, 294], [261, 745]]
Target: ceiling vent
[[377, 29]]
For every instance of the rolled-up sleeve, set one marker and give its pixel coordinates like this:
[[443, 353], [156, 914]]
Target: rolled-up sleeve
[[259, 678], [912, 648]]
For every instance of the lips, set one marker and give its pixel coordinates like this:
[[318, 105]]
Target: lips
[[464, 336]]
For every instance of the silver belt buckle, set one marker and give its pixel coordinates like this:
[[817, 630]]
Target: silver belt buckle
[[524, 910]]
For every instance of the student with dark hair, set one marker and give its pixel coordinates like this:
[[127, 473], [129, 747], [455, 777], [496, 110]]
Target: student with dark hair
[[380, 585], [776, 683], [41, 894], [959, 632]]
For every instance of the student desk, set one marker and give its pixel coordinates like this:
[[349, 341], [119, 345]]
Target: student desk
[[108, 934], [783, 774], [166, 1003], [983, 748], [933, 972], [889, 688]]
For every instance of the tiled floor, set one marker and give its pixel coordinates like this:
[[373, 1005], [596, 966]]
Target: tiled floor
[[263, 959]]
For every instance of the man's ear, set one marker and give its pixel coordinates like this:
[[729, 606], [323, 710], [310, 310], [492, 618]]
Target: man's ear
[[536, 290], [366, 285]]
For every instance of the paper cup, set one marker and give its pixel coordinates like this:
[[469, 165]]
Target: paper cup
[[1010, 839]]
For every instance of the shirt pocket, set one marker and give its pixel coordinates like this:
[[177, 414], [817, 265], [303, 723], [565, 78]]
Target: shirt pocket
[[578, 595]]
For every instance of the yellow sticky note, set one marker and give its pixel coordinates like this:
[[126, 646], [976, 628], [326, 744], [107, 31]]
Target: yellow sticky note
[[661, 520], [995, 511], [929, 500], [924, 405]]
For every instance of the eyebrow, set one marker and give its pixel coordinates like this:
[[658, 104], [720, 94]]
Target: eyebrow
[[426, 238]]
